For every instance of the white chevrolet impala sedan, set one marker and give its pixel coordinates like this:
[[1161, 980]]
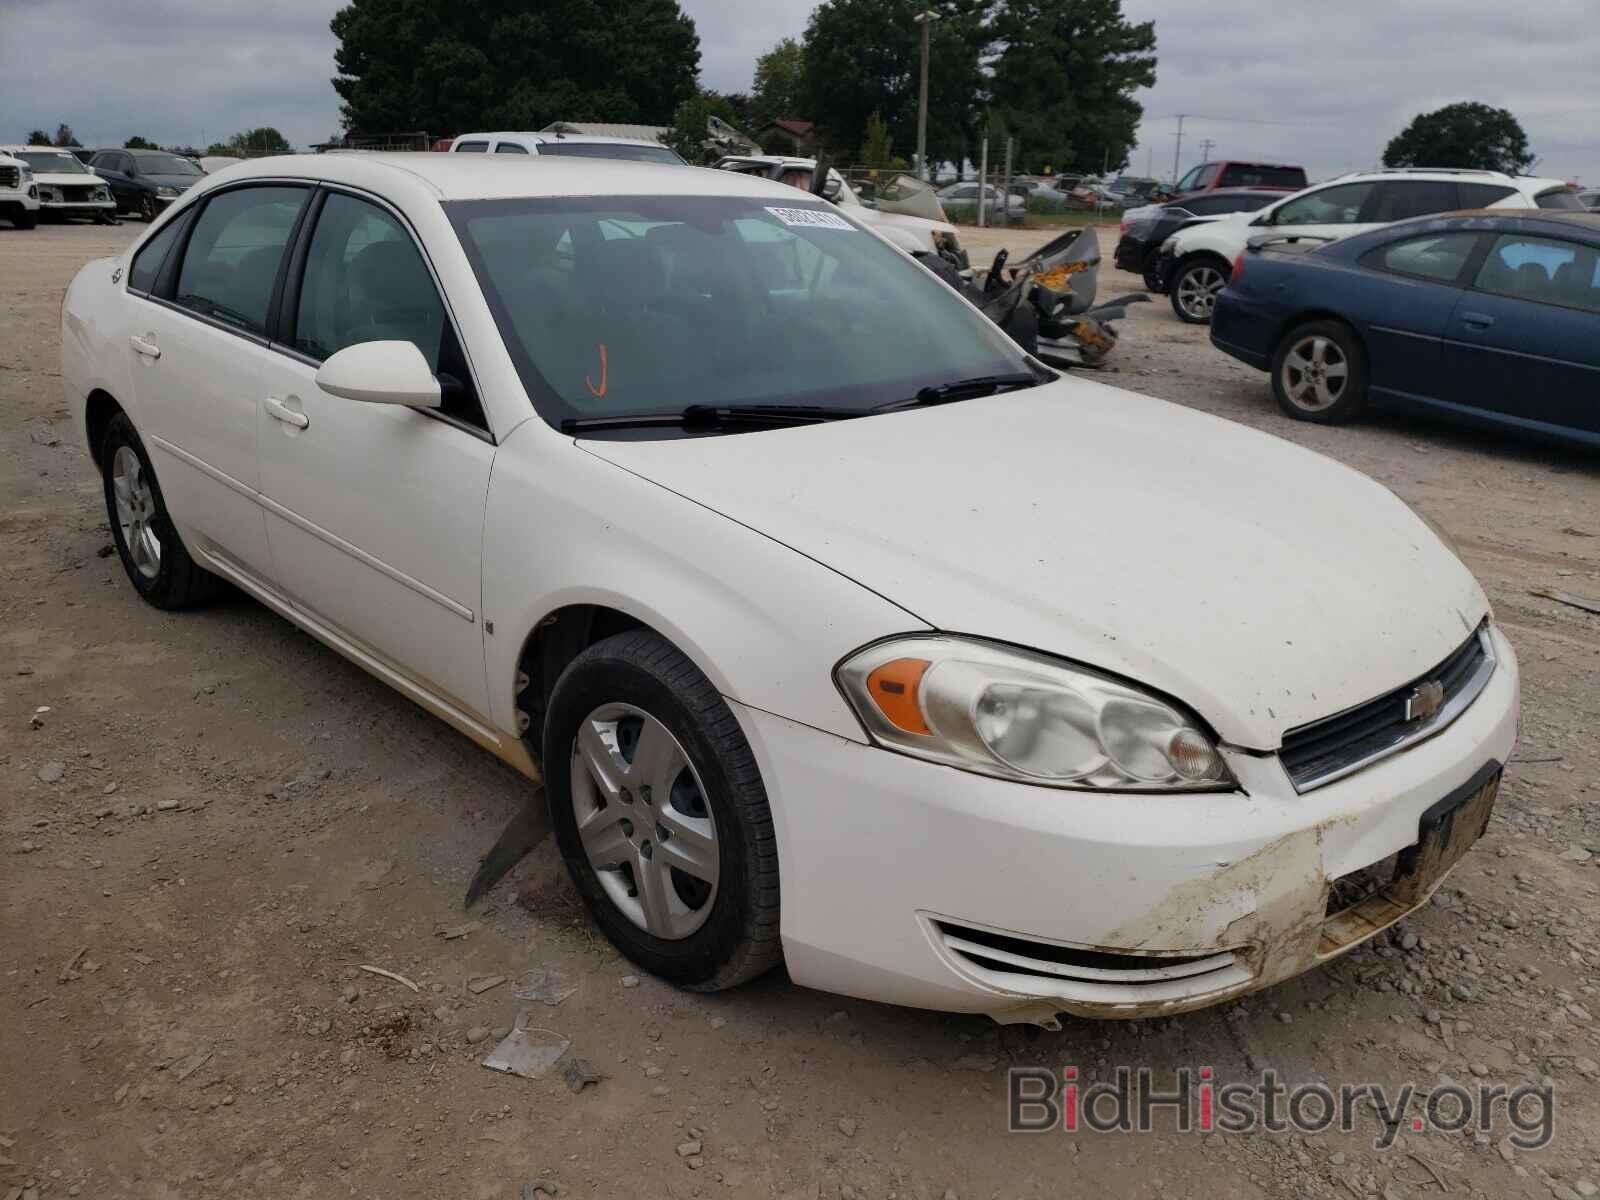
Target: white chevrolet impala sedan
[[840, 631]]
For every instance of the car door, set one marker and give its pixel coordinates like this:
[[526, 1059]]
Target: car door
[[374, 512], [1402, 301], [1328, 212], [1524, 341], [197, 341]]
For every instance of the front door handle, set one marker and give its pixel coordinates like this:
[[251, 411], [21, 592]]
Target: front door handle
[[144, 346], [1477, 320], [280, 411]]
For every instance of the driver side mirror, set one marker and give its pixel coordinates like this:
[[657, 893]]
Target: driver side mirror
[[830, 189], [381, 373]]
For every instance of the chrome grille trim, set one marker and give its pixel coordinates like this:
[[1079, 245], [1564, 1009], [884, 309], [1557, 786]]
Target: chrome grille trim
[[1374, 731]]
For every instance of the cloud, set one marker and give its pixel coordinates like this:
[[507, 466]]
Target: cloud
[[1300, 82]]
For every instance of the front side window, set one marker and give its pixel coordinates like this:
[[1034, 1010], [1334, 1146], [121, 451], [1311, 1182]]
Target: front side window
[[1544, 270], [1437, 256], [147, 263], [1338, 205], [231, 264], [627, 305], [1404, 198]]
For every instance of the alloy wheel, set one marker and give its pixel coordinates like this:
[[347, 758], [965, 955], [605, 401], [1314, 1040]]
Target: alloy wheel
[[1197, 291], [136, 512], [644, 822], [1315, 373]]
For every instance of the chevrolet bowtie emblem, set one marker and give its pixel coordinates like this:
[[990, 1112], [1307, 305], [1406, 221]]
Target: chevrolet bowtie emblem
[[1425, 700]]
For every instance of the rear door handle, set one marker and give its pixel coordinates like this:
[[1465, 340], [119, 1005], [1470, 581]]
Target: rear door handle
[[1477, 320], [278, 410], [144, 346]]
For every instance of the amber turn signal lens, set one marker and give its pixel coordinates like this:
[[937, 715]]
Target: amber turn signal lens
[[893, 688]]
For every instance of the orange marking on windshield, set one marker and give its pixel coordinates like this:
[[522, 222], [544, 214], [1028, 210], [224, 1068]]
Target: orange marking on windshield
[[604, 387]]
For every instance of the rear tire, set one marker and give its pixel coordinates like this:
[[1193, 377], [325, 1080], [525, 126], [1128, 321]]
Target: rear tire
[[154, 557], [1195, 285], [678, 773], [1319, 373]]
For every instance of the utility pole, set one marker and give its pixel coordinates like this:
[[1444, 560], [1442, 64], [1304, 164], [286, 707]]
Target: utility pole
[[983, 184], [925, 18], [1178, 152], [1205, 149]]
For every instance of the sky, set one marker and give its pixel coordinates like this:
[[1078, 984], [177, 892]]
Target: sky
[[1311, 83]]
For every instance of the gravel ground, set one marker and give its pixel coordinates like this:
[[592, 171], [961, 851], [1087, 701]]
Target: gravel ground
[[217, 823]]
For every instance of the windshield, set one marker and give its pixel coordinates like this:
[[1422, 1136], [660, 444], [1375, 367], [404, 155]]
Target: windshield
[[166, 164], [635, 304], [624, 150], [59, 162]]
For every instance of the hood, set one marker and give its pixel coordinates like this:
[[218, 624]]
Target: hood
[[1261, 584], [181, 182], [68, 179]]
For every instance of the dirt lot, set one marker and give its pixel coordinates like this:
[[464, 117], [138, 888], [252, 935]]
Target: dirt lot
[[218, 822]]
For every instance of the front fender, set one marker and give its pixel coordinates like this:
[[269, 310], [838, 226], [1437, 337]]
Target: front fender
[[765, 623]]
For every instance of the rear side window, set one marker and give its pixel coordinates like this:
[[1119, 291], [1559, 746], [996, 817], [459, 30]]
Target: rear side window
[[1405, 198], [1340, 205], [1438, 256], [1256, 175], [1562, 197], [1481, 195], [472, 148], [231, 264], [510, 148], [1544, 270], [147, 263]]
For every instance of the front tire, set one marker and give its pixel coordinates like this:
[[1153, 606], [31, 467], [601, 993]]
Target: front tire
[[154, 557], [1319, 373], [660, 813], [25, 218], [1195, 286], [147, 207]]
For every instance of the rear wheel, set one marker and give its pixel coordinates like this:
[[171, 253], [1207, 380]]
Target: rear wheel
[[158, 565], [1195, 285], [1319, 373], [660, 813]]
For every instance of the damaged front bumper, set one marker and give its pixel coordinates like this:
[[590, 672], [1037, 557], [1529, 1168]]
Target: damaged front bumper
[[916, 884]]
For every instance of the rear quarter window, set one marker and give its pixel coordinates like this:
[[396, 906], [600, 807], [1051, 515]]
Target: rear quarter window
[[1482, 195], [1562, 198], [147, 263], [1436, 256]]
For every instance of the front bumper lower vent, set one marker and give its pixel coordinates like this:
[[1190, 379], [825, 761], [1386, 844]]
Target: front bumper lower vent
[[1081, 974]]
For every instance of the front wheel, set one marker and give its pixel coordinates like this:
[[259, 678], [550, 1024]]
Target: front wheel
[[1319, 373], [660, 813], [147, 207], [1195, 285], [24, 218]]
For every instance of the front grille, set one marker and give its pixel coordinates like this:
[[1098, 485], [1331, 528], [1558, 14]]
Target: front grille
[[77, 194], [1336, 746], [1083, 975], [10, 177]]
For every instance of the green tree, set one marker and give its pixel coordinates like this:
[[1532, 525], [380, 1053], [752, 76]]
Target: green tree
[[38, 137], [1469, 135], [691, 125], [779, 82], [262, 140], [877, 147], [864, 57], [138, 143], [64, 136], [445, 66], [1064, 81]]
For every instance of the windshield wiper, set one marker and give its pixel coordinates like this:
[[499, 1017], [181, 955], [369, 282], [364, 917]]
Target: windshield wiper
[[966, 389], [716, 416]]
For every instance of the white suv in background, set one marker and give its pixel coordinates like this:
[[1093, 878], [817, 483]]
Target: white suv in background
[[66, 186], [19, 195], [573, 145], [1194, 263]]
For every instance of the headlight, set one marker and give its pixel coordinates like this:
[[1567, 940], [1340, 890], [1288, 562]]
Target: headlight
[[102, 194], [27, 173], [1026, 717], [164, 190], [946, 241]]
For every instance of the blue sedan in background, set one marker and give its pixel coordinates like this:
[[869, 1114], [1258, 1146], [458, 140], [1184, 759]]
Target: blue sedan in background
[[1492, 317]]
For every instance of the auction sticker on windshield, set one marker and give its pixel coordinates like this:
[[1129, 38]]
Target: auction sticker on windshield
[[811, 218]]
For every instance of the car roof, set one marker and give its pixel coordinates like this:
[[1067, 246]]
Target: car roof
[[12, 149], [481, 177]]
